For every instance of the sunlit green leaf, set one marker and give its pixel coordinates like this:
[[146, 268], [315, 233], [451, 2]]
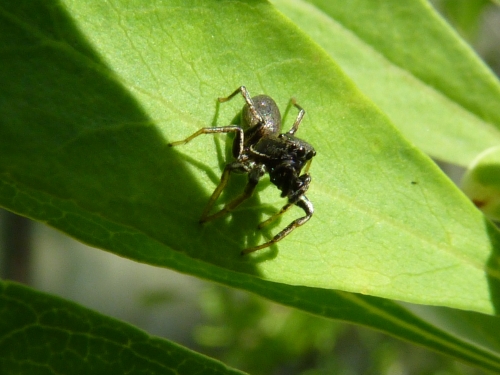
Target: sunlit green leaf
[[404, 57], [387, 221], [93, 92]]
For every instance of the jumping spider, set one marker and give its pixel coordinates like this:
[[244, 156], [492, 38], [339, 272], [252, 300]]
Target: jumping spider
[[261, 149]]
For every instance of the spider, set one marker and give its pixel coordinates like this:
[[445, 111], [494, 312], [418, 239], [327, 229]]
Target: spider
[[260, 148]]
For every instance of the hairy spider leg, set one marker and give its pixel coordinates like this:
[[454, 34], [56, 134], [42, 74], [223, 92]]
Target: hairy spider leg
[[285, 208], [301, 114], [218, 190], [254, 175], [248, 100], [222, 129], [308, 208]]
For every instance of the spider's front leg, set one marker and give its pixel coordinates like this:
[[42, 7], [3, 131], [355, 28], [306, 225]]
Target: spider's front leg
[[302, 185], [303, 203], [248, 99], [238, 166], [222, 129], [298, 120], [254, 175]]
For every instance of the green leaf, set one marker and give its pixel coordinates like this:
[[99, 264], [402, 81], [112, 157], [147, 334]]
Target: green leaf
[[465, 15], [92, 93], [99, 163], [78, 340], [41, 334], [404, 57], [101, 156]]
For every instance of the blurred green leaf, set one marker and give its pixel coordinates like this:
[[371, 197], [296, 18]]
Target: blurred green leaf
[[92, 92], [261, 337], [41, 334], [464, 15], [404, 57]]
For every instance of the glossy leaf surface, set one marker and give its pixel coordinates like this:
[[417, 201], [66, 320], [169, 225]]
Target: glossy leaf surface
[[92, 93], [404, 57]]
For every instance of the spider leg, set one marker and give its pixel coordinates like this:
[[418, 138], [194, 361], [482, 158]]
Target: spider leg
[[222, 129], [285, 208], [218, 190], [246, 95], [301, 114], [254, 176], [308, 208]]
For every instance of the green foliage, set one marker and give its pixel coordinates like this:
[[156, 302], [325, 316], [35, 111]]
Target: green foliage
[[93, 91], [42, 334], [422, 76], [465, 15], [260, 337]]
